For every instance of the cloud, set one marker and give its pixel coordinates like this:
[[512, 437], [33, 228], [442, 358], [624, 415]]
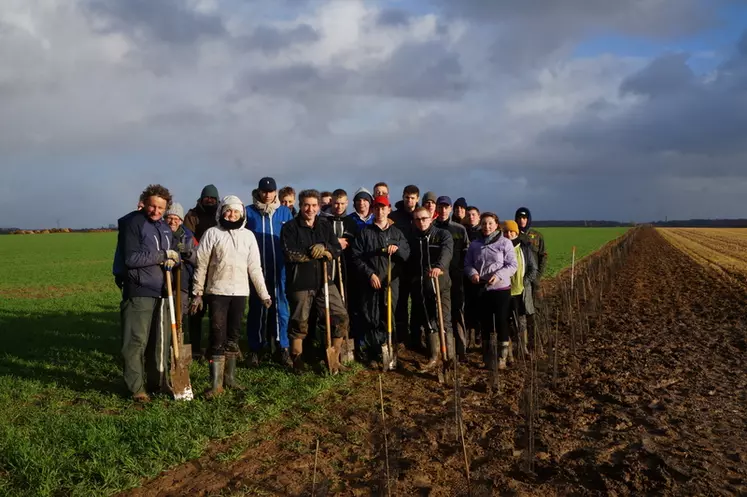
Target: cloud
[[469, 98]]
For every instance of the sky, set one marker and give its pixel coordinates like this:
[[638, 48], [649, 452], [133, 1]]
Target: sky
[[580, 109]]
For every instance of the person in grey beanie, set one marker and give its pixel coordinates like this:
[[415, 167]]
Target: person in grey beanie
[[186, 246]]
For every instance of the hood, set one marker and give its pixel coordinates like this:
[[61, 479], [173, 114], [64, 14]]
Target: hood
[[363, 192], [267, 209], [228, 200], [528, 214]]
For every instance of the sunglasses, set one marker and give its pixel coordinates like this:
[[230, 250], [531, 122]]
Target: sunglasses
[[421, 219]]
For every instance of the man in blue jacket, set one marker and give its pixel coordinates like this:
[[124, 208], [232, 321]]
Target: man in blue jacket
[[265, 218], [148, 247]]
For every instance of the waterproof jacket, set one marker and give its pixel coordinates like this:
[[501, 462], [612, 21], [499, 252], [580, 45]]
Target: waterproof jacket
[[430, 249], [227, 259], [461, 243], [361, 222], [303, 272], [529, 277], [187, 247], [369, 252], [473, 233], [198, 220], [266, 222], [534, 239], [495, 258], [402, 219], [144, 246]]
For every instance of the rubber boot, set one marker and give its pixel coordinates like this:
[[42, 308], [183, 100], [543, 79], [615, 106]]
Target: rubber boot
[[434, 348], [450, 346], [490, 352], [504, 353], [252, 361], [296, 353], [229, 377], [337, 345], [285, 358], [217, 366], [523, 336]]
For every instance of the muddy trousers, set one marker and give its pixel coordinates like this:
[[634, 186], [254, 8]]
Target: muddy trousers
[[301, 304], [496, 308], [225, 314], [146, 342]]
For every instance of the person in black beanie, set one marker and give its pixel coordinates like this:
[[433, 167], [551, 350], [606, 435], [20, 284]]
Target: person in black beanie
[[460, 211]]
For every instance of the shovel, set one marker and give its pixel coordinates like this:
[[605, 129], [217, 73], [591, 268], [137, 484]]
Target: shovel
[[333, 356], [180, 383], [348, 346], [441, 333], [388, 354]]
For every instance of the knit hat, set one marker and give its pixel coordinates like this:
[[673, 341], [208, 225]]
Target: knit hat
[[176, 209], [430, 197], [443, 199], [210, 191], [231, 202], [510, 225], [267, 185], [364, 194], [461, 202]]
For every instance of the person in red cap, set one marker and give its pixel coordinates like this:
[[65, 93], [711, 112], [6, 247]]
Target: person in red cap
[[371, 252]]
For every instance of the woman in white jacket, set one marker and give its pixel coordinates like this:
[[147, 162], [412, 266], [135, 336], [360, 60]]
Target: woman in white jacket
[[227, 257]]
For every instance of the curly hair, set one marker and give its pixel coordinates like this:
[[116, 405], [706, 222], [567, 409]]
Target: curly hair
[[157, 191]]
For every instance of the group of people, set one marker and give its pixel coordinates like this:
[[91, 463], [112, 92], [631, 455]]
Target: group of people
[[405, 270]]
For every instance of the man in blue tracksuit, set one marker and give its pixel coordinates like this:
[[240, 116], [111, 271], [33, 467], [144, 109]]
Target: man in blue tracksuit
[[265, 218], [147, 247]]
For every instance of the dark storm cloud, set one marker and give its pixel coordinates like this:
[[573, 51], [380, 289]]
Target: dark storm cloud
[[271, 40], [417, 71], [170, 21], [392, 17], [677, 115]]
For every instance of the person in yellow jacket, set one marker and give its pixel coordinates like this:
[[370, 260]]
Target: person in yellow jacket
[[522, 303]]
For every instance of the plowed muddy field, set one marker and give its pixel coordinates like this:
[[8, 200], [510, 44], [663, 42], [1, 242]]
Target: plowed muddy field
[[645, 396]]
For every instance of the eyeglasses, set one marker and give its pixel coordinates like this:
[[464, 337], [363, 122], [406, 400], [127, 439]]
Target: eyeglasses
[[420, 219]]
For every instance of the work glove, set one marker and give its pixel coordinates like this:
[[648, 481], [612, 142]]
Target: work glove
[[317, 251], [196, 305], [169, 264], [173, 255], [267, 303], [327, 255]]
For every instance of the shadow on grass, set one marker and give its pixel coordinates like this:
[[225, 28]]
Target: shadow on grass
[[77, 350]]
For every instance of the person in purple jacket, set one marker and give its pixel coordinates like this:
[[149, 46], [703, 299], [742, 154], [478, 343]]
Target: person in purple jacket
[[490, 263]]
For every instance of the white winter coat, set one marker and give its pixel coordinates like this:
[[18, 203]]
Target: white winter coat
[[227, 259]]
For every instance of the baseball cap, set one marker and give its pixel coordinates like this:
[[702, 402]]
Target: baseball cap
[[443, 199], [267, 184], [382, 200]]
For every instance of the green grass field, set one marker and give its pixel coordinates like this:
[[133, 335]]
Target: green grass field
[[67, 426]]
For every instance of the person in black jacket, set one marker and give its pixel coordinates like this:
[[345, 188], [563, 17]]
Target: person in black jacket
[[471, 293], [308, 242], [148, 247], [373, 248], [456, 271], [431, 249], [402, 218]]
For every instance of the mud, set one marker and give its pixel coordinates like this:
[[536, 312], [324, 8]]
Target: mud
[[652, 402]]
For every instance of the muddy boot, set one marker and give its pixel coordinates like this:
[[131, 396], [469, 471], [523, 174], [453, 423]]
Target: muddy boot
[[450, 347], [141, 398], [285, 358], [217, 368], [296, 353], [337, 345], [510, 352], [252, 360], [505, 351], [229, 377], [523, 336], [434, 348]]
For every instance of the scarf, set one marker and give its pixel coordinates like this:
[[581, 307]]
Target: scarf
[[489, 239], [266, 209], [231, 225]]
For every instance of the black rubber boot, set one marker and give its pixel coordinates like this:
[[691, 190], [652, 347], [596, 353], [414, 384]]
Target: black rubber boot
[[217, 369], [229, 377], [434, 349], [285, 358]]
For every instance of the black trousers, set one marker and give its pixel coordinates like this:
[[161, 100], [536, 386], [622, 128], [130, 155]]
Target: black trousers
[[496, 308], [195, 327], [425, 306], [402, 312], [226, 312]]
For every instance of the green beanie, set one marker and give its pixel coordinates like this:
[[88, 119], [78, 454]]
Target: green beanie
[[210, 191]]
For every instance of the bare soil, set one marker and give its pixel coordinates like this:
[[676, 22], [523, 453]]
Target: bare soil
[[652, 402]]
